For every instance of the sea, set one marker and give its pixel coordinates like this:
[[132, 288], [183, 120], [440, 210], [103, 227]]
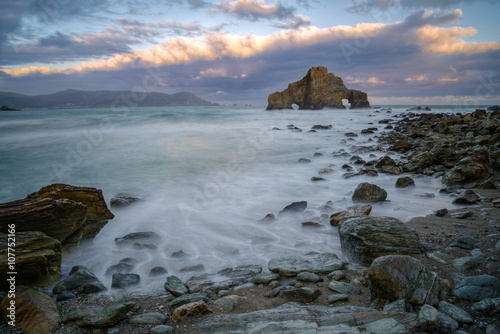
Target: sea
[[205, 177]]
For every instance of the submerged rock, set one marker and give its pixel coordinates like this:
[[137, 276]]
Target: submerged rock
[[122, 200], [294, 208], [139, 240], [317, 90]]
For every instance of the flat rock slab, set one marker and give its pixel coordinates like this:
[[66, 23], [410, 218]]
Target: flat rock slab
[[477, 288], [298, 318], [224, 279], [319, 264]]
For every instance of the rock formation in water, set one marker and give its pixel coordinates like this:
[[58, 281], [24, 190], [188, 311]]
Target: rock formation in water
[[317, 90]]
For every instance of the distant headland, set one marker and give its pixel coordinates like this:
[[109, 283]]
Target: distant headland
[[317, 90], [73, 99]]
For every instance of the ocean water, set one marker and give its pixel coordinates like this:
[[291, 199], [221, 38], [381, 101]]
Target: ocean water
[[206, 176]]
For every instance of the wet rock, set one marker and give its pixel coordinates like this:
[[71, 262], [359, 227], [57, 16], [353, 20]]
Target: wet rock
[[139, 240], [35, 312], [153, 318], [462, 214], [301, 295], [355, 211], [487, 306], [401, 145], [311, 225], [268, 219], [229, 303], [316, 179], [65, 295], [344, 288], [474, 168], [400, 305], [447, 324], [37, 259], [428, 318], [456, 313], [441, 212], [366, 238], [420, 162], [122, 200], [294, 208], [81, 280], [162, 329], [158, 271], [120, 281], [190, 310], [394, 277], [265, 278], [318, 264], [304, 161], [367, 192], [309, 277], [350, 134], [468, 197], [224, 279], [196, 267], [466, 242], [404, 182], [477, 288], [119, 268], [187, 299], [175, 286], [321, 127], [332, 299], [386, 161], [105, 317]]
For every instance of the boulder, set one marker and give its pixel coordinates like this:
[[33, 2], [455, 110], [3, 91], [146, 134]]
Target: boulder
[[467, 197], [428, 318], [98, 213], [37, 259], [369, 193], [404, 182], [319, 264], [385, 161], [355, 211], [35, 312], [80, 279], [120, 281], [190, 310], [477, 288], [317, 90], [104, 317], [394, 277], [364, 239], [175, 286], [474, 168], [294, 208]]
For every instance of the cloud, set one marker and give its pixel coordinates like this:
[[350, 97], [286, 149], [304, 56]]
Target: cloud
[[296, 22], [375, 80], [367, 6], [254, 10]]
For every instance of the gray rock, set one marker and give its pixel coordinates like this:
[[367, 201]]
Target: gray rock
[[428, 318], [175, 286], [294, 208], [388, 325], [80, 279], [224, 279], [309, 277], [318, 264], [446, 323], [474, 168], [337, 275], [122, 200], [468, 262], [153, 318], [268, 219], [369, 193], [139, 240], [466, 242], [477, 288], [158, 271], [399, 276], [462, 214], [404, 182], [468, 197], [229, 303], [487, 306], [164, 296], [344, 288], [400, 305], [161, 329], [434, 257], [363, 239], [119, 268], [187, 299], [265, 278], [337, 298], [120, 281], [105, 317], [492, 329], [302, 295], [456, 313]]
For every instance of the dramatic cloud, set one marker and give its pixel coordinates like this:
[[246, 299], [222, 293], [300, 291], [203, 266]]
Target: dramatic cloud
[[254, 10]]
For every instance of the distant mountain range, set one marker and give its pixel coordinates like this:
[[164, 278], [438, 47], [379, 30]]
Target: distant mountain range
[[72, 98]]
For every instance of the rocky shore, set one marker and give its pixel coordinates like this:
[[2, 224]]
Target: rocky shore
[[439, 273]]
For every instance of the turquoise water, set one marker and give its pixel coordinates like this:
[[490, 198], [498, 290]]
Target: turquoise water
[[206, 176]]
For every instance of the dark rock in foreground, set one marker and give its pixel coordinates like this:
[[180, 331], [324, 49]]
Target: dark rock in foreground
[[317, 90]]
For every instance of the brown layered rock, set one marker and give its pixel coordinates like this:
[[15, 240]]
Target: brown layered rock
[[37, 259], [317, 90]]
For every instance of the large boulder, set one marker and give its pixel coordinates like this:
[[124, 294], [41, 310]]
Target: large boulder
[[35, 312], [369, 193], [317, 90], [474, 168], [363, 239], [98, 213], [37, 259], [394, 277]]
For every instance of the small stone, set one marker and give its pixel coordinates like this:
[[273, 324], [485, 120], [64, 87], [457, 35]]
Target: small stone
[[466, 242], [229, 303], [337, 275], [350, 134], [161, 329], [187, 299], [122, 200], [468, 263], [119, 268], [316, 179], [487, 306], [196, 267], [190, 310], [304, 161], [265, 278], [269, 218], [428, 318], [477, 288], [332, 299], [441, 212], [344, 288], [446, 323], [434, 257], [455, 312], [175, 286], [153, 318], [462, 215], [311, 225], [158, 271], [294, 208], [301, 295], [400, 305], [124, 280], [468, 197], [308, 277], [404, 182], [366, 192]]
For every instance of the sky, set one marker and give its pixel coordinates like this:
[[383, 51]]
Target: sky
[[240, 51]]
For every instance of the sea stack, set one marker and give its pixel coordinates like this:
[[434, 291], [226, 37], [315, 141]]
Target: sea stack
[[317, 90]]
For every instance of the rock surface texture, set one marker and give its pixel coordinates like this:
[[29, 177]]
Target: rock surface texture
[[317, 90]]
